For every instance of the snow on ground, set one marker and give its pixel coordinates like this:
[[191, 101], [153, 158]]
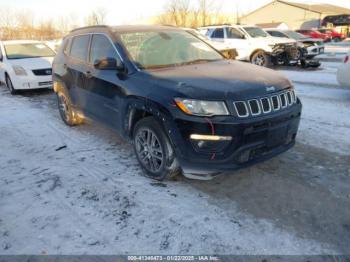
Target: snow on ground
[[80, 190]]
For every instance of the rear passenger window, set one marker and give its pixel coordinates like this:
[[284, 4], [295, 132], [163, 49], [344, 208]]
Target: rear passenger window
[[80, 47], [101, 48], [218, 33]]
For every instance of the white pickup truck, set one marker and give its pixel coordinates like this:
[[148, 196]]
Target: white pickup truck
[[251, 42]]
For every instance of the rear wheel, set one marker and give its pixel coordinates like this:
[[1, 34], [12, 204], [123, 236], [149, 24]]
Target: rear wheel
[[10, 85], [154, 151], [66, 111], [260, 58]]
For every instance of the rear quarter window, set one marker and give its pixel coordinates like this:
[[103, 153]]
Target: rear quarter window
[[80, 46]]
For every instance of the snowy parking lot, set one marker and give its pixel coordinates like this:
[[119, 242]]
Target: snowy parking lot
[[80, 190]]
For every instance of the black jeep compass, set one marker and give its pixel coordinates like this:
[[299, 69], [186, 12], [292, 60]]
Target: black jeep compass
[[185, 107]]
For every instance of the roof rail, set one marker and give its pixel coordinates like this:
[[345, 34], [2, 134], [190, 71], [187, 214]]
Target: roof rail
[[87, 27]]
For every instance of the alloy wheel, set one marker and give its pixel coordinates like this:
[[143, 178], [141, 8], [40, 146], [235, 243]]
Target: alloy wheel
[[259, 60], [149, 149], [63, 106]]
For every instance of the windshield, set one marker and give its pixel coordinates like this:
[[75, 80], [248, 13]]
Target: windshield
[[156, 49], [294, 35], [20, 51], [255, 32]]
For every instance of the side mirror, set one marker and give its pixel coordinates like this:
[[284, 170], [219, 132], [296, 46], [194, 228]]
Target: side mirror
[[108, 63]]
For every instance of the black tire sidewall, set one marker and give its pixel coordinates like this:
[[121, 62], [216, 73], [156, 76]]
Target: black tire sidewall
[[152, 124], [10, 87], [68, 121]]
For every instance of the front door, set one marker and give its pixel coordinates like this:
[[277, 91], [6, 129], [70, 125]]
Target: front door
[[104, 86]]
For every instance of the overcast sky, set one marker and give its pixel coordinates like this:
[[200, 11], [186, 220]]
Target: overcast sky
[[126, 11]]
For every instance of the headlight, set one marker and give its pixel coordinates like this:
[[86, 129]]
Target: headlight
[[201, 108], [20, 71]]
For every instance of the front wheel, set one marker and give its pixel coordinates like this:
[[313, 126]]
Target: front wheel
[[66, 111], [154, 150], [10, 85], [260, 58]]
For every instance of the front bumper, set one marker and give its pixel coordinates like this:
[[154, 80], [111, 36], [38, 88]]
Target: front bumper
[[253, 140], [314, 50], [31, 82]]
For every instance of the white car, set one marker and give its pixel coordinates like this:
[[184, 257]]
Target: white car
[[343, 75], [25, 64], [252, 43]]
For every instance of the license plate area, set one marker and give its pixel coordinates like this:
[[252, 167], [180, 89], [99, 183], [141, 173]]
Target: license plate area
[[277, 136]]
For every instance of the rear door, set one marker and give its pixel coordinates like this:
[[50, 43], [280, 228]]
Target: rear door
[[76, 67], [104, 86]]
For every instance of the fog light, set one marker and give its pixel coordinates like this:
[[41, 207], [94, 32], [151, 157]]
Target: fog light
[[210, 137]]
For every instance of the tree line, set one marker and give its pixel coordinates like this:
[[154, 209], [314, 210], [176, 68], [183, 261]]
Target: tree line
[[22, 24]]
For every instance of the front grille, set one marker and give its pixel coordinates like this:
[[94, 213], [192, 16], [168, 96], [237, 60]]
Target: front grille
[[265, 105], [42, 72]]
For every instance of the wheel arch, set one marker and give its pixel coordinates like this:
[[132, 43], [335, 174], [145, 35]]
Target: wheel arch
[[140, 107], [255, 51]]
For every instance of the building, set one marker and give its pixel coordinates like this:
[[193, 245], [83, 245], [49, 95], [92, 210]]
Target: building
[[294, 15], [278, 25]]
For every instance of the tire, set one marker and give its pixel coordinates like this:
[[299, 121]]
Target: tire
[[154, 150], [337, 39], [66, 110], [260, 58], [10, 85]]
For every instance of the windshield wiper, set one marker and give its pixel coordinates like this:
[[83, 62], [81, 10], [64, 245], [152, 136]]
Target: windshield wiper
[[198, 61]]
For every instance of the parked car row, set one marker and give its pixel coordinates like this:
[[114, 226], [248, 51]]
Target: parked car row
[[183, 105], [265, 47]]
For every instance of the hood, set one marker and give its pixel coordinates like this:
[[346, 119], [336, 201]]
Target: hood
[[33, 63], [281, 40], [220, 80]]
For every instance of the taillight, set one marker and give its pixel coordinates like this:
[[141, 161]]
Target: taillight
[[346, 59]]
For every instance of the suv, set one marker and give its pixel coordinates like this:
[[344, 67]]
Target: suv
[[185, 108], [253, 44]]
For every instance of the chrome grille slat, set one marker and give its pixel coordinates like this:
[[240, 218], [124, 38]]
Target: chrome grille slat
[[268, 110], [252, 103], [238, 112], [264, 105]]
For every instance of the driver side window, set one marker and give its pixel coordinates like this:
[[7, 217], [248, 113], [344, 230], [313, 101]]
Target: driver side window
[[233, 33], [101, 48]]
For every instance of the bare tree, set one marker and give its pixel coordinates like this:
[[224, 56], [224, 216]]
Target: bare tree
[[96, 17], [176, 12]]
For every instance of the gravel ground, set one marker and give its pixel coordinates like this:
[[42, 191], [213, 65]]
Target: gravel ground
[[80, 190]]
